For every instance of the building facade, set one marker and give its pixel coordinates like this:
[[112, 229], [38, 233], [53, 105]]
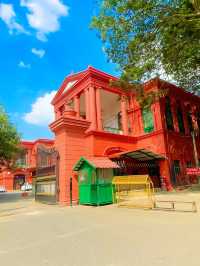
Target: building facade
[[94, 118], [25, 168]]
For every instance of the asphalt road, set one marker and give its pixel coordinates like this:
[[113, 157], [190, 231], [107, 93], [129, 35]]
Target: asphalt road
[[42, 235], [6, 197]]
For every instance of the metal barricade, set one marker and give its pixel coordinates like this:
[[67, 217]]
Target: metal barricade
[[133, 191]]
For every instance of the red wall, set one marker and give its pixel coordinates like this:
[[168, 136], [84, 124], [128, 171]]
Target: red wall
[[7, 175]]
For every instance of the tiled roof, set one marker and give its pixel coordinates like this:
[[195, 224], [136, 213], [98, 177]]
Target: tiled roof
[[96, 162], [102, 162]]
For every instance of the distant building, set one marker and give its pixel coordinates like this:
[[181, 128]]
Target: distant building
[[93, 118], [25, 165]]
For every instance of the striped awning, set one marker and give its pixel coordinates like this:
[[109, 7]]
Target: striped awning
[[139, 155]]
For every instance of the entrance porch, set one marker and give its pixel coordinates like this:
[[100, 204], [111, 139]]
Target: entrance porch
[[139, 162]]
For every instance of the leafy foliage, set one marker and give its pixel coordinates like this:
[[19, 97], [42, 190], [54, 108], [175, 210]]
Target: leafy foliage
[[9, 140], [149, 37]]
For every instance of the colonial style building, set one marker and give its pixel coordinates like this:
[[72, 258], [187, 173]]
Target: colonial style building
[[24, 171], [95, 119]]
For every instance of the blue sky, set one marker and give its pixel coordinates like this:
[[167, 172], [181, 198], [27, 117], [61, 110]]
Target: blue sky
[[42, 41]]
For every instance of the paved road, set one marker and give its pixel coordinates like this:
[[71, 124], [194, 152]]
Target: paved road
[[6, 197], [104, 236]]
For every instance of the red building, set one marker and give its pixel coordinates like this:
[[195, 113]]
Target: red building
[[25, 165], [93, 118]]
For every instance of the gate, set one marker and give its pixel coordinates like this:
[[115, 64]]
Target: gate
[[46, 181]]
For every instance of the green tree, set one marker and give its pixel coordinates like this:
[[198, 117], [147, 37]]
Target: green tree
[[145, 36], [9, 140]]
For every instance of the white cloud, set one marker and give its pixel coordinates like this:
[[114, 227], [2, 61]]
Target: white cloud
[[23, 65], [44, 15], [8, 15], [41, 113], [38, 52]]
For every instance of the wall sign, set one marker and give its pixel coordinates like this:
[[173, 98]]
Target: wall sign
[[193, 171]]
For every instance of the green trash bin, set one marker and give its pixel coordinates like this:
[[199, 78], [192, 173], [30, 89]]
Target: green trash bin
[[95, 180]]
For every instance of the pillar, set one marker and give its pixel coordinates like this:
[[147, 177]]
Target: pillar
[[165, 173], [174, 114], [70, 144], [157, 115], [194, 133], [98, 108], [184, 111], [124, 115], [194, 118], [77, 105], [87, 104], [92, 106]]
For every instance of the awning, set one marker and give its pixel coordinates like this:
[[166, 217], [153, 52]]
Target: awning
[[139, 155]]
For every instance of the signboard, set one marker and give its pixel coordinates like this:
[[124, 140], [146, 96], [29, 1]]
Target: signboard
[[193, 171]]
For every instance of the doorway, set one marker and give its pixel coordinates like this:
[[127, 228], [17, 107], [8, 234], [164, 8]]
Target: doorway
[[19, 180]]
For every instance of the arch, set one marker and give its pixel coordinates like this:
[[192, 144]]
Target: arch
[[18, 181], [111, 150]]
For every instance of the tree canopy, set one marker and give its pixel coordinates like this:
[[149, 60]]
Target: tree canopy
[[149, 37], [9, 140]]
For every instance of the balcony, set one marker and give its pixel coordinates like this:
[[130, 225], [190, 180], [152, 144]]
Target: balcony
[[113, 130]]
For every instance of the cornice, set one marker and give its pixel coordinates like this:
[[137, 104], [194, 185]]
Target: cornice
[[111, 135], [69, 122]]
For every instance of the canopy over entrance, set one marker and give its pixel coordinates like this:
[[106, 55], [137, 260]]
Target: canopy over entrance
[[139, 162], [139, 155]]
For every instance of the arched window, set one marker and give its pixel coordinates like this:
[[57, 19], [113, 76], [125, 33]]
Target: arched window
[[147, 117], [168, 114], [180, 119]]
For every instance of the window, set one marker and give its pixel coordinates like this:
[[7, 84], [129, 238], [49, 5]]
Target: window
[[189, 119], [168, 114], [147, 117], [180, 119], [177, 168], [22, 159]]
